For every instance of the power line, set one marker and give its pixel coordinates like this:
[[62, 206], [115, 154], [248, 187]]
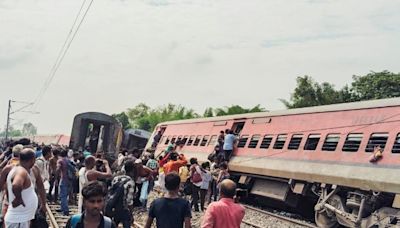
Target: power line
[[63, 52], [60, 53]]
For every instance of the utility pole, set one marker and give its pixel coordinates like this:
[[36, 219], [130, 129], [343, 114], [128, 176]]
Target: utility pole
[[21, 109], [8, 118]]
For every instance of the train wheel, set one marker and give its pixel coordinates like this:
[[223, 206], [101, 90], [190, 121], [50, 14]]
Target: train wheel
[[325, 220]]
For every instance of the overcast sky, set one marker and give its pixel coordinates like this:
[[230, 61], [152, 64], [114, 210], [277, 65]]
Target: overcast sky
[[198, 53]]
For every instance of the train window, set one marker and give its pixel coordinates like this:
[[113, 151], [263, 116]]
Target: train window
[[266, 142], [331, 142], [184, 140], [179, 138], [173, 139], [197, 140], [162, 139], [254, 141], [205, 140], [352, 142], [190, 141], [376, 139], [242, 141], [396, 146], [280, 141], [213, 141], [295, 141], [168, 140], [312, 142]]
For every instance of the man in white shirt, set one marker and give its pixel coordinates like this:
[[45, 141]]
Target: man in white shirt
[[205, 183], [42, 163]]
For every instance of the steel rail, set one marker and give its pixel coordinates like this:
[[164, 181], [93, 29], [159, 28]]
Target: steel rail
[[52, 219], [251, 224], [287, 219]]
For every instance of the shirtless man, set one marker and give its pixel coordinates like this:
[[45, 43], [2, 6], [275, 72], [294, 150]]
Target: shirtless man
[[20, 181], [88, 174], [53, 175]]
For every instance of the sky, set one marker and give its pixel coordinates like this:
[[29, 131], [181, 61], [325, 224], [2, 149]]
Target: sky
[[197, 53]]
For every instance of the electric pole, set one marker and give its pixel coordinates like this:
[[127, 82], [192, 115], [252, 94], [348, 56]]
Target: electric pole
[[8, 118], [21, 109]]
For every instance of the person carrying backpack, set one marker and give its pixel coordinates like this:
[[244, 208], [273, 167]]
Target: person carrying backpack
[[120, 197], [93, 200], [195, 178]]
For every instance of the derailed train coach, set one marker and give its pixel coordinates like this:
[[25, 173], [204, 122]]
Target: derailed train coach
[[98, 132], [135, 139], [342, 159]]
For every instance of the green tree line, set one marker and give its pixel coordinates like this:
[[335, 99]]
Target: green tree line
[[28, 129], [308, 92], [144, 117]]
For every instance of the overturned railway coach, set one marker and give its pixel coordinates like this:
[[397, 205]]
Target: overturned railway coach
[[318, 154]]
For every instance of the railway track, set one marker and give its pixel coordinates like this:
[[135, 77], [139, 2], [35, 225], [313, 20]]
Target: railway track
[[57, 220], [276, 216]]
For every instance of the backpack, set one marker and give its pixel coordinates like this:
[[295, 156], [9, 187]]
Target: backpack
[[196, 177], [212, 156], [115, 198], [76, 218], [187, 188], [72, 171]]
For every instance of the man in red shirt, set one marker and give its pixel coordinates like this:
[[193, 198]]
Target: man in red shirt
[[225, 212]]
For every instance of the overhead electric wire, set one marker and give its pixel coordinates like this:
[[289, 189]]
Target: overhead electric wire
[[46, 83], [67, 43]]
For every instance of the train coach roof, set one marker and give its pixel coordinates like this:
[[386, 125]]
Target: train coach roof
[[315, 109]]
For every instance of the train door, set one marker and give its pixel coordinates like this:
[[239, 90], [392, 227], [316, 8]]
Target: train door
[[158, 137], [237, 127]]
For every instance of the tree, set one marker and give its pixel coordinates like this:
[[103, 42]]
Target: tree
[[11, 132], [146, 118], [123, 119], [376, 85], [29, 129], [138, 111], [209, 112], [237, 109], [310, 93]]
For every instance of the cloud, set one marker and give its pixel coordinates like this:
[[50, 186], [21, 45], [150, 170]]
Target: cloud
[[303, 39], [187, 51], [204, 60], [15, 53], [157, 2]]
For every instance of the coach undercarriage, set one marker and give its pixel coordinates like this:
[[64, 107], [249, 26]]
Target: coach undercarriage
[[333, 205], [355, 208]]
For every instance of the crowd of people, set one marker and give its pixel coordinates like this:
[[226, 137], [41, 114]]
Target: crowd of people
[[107, 194]]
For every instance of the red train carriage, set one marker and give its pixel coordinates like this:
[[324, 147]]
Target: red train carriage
[[317, 153]]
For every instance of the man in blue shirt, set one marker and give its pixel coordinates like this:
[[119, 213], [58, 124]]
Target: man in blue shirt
[[229, 142]]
